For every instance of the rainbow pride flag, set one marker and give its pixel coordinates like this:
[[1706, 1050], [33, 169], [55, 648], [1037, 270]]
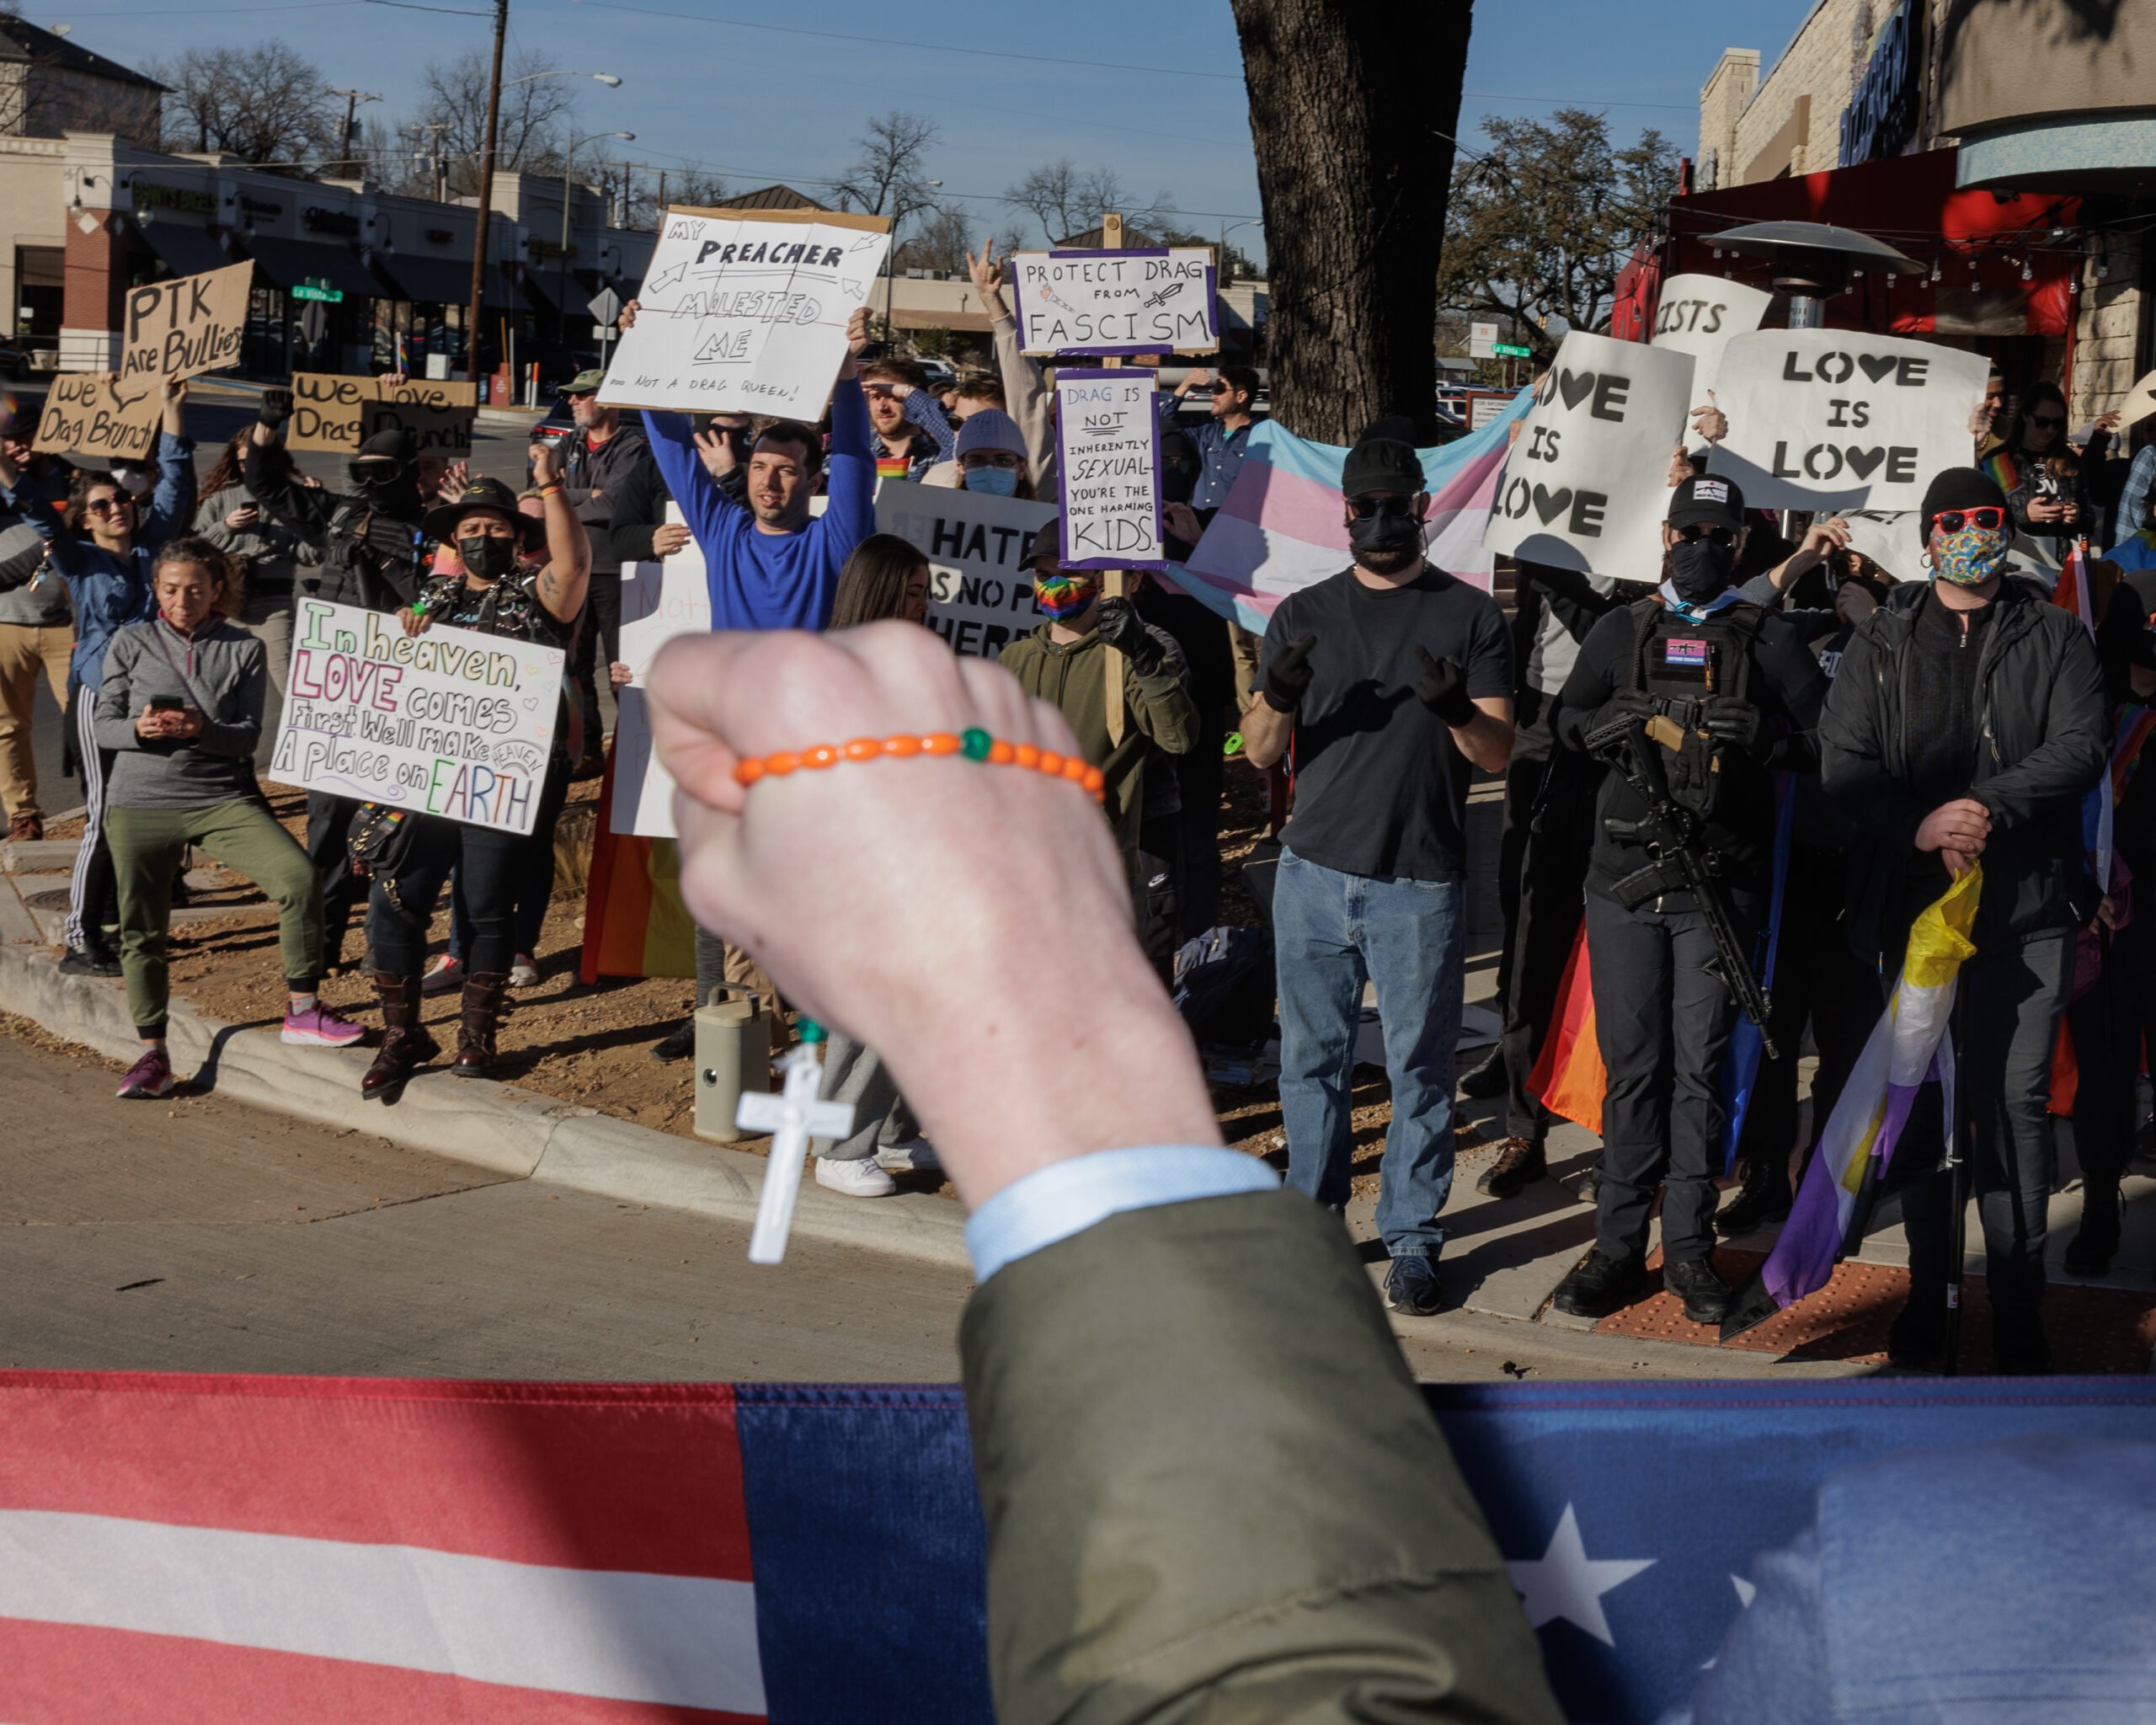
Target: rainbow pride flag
[[635, 922], [1279, 530]]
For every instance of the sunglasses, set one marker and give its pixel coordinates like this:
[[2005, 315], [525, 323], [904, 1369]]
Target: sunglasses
[[1708, 530], [2048, 425], [107, 505], [1989, 518]]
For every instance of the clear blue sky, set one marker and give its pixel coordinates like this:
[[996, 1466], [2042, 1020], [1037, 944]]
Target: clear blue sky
[[703, 84]]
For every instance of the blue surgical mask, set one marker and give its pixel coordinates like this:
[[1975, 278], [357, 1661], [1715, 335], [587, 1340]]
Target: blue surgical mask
[[994, 482]]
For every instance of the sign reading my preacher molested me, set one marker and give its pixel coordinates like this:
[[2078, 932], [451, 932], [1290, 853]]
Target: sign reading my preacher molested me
[[184, 328], [1108, 444], [1159, 299], [746, 312], [338, 413], [450, 722], [980, 591], [1586, 485], [1837, 418]]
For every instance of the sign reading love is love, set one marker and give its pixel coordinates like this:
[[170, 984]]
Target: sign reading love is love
[[1837, 418], [1587, 483]]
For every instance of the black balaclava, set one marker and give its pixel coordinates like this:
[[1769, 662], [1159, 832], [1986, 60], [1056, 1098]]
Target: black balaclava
[[398, 498]]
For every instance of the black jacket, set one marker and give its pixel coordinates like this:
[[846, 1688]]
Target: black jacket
[[595, 480], [641, 506], [374, 553], [2042, 724]]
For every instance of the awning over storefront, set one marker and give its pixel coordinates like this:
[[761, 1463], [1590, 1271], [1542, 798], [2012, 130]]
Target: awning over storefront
[[186, 251], [430, 282], [287, 263]]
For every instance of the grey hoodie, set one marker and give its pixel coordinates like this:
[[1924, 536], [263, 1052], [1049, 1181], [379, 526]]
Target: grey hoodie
[[229, 674]]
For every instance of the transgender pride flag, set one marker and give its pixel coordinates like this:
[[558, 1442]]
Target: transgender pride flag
[[1280, 531]]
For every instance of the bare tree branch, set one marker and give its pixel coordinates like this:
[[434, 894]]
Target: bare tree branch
[[264, 103], [889, 176]]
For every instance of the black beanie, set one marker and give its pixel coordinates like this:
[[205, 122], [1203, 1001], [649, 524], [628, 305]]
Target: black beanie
[[394, 441], [1957, 487], [1381, 464]]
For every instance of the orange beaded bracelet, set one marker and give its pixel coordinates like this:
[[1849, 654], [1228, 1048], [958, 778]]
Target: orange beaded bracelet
[[974, 744]]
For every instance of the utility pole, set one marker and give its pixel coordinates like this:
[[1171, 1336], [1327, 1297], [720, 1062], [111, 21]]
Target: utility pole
[[434, 130], [352, 100], [476, 308], [659, 208]]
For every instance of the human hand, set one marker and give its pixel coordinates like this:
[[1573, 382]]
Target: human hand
[[1735, 722], [2107, 916], [1443, 688], [173, 391], [856, 332], [715, 450], [1194, 380], [1960, 826], [276, 408], [151, 722], [928, 982], [1980, 420], [1287, 678], [1121, 627], [415, 620], [2069, 511], [456, 477], [2108, 422], [1958, 862], [309, 481], [1180, 521], [1853, 602], [619, 676], [668, 537], [1680, 463], [1821, 539], [187, 722], [2042, 509], [1710, 422], [546, 465], [986, 270], [628, 315], [245, 516]]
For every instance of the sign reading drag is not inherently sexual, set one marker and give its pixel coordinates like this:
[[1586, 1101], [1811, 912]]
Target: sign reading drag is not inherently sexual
[[450, 722], [1837, 418], [1587, 482], [1108, 438], [338, 413], [746, 313], [184, 328], [1162, 299], [980, 592]]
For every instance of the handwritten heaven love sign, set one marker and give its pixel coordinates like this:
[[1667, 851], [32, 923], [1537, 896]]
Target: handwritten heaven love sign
[[90, 413], [659, 600], [1108, 442], [980, 592], [1699, 315], [1837, 418], [1159, 299], [339, 413], [746, 312], [1587, 483], [450, 722], [184, 328]]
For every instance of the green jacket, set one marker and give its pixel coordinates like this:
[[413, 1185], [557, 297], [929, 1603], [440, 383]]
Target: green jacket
[[1215, 1494], [1158, 711]]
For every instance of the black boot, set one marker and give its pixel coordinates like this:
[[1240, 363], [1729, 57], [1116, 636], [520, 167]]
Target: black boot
[[405, 1043], [1764, 1197], [1520, 1162], [2019, 1347], [475, 1029], [1487, 1078], [2096, 1241], [1599, 1285], [1704, 1293], [678, 1043], [1918, 1331]]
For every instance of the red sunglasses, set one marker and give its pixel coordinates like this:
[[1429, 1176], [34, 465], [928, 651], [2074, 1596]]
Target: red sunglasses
[[1989, 518]]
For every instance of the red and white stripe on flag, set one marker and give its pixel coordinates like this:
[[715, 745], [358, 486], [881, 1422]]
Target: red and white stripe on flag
[[188, 1549]]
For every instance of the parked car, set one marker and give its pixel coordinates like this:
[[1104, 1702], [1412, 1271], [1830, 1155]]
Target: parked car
[[940, 374], [557, 424], [14, 360]]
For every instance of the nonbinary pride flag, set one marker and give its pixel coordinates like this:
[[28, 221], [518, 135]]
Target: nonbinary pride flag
[[1279, 529]]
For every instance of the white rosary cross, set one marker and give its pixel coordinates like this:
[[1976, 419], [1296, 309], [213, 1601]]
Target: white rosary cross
[[793, 1118]]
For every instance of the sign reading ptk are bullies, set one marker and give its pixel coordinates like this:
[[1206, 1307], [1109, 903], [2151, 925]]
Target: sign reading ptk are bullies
[[185, 327], [1108, 443], [746, 312], [1161, 299], [450, 722]]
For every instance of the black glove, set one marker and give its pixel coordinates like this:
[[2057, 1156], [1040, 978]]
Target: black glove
[[276, 408], [1735, 722], [1122, 629], [1287, 678], [1626, 703], [1443, 688]]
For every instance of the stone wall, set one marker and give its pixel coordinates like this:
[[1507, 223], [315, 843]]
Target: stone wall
[[2107, 332]]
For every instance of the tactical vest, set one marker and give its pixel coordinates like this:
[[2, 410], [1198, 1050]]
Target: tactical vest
[[1685, 667], [369, 559]]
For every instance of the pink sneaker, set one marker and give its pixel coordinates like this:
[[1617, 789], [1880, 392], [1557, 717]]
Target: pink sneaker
[[149, 1077], [324, 1026]]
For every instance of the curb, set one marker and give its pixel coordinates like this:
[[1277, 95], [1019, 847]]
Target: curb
[[497, 1127]]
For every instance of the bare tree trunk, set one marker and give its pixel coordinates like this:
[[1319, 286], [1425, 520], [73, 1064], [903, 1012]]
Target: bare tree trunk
[[1352, 104]]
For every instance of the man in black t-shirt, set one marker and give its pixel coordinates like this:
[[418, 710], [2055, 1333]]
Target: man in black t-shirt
[[1378, 687]]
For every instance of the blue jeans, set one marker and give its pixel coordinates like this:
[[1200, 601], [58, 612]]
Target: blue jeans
[[1331, 932]]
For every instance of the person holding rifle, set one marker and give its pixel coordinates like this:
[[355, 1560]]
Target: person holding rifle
[[1696, 696]]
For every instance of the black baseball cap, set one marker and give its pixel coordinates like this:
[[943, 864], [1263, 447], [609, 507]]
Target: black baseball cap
[[1708, 498], [1381, 462]]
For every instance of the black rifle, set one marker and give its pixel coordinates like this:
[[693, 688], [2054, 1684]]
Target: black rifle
[[1671, 833]]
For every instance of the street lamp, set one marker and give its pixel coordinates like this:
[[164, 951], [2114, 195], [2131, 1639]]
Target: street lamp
[[568, 156], [606, 78]]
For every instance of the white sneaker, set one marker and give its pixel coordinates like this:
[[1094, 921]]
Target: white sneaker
[[524, 974], [910, 1156], [444, 976], [857, 1177]]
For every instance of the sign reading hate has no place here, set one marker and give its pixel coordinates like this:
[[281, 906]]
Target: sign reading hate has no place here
[[85, 413], [1163, 299], [1837, 418], [450, 722], [1585, 485], [980, 592], [746, 312], [1108, 445], [328, 411], [184, 328]]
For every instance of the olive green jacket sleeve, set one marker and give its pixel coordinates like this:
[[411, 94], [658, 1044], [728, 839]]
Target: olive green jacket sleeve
[[1215, 1494]]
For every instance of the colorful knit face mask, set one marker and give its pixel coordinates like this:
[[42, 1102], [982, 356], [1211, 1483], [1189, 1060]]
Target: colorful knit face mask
[[1064, 595], [1969, 557]]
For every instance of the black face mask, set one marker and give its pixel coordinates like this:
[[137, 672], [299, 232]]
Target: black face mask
[[487, 556], [376, 476], [1390, 530], [1700, 569]]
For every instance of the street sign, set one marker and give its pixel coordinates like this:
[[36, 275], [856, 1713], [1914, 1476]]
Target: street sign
[[313, 321], [606, 306], [321, 296], [1506, 350], [1482, 341]]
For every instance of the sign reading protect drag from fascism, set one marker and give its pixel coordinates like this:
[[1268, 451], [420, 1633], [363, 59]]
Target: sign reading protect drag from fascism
[[1108, 438], [980, 592], [450, 722], [1837, 418], [1161, 299], [746, 312], [184, 328]]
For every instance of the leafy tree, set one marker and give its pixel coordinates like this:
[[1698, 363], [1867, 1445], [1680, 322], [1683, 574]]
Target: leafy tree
[[267, 103], [1541, 224]]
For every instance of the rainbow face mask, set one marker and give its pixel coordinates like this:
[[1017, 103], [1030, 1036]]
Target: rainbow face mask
[[1969, 557], [1064, 595]]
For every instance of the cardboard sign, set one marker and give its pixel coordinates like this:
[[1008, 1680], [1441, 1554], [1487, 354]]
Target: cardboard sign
[[1698, 315], [327, 411], [1164, 299], [659, 601], [1108, 444], [746, 312], [1837, 418], [185, 327], [980, 595], [436, 430], [85, 413], [450, 722], [1585, 485]]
